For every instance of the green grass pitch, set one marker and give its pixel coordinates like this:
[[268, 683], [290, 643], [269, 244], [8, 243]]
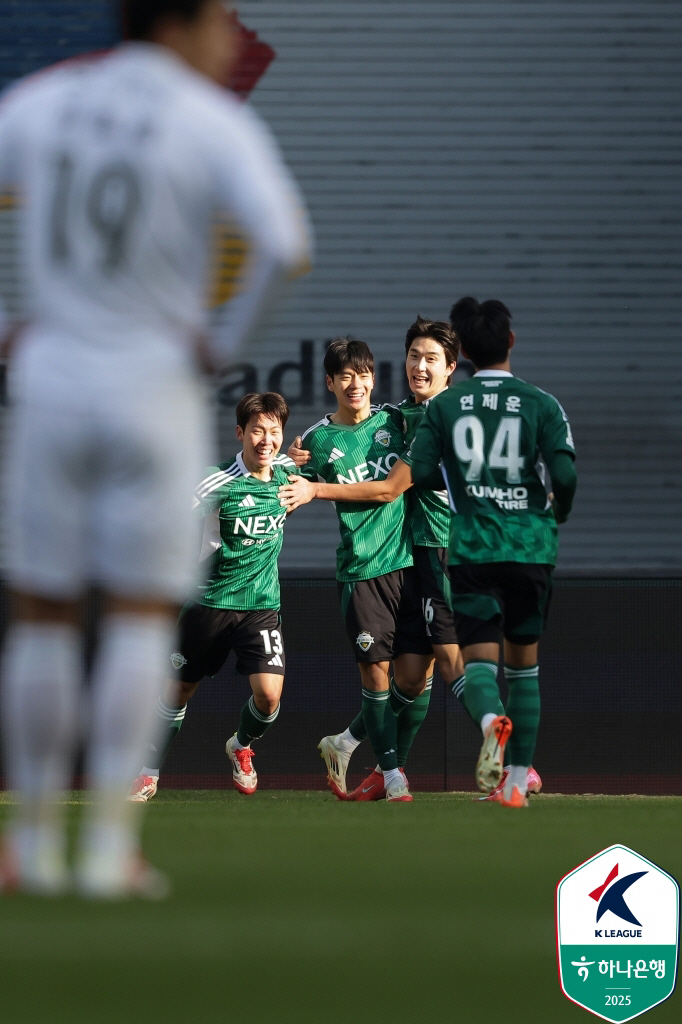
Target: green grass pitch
[[292, 907]]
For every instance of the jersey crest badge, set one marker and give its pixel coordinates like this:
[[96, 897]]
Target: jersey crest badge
[[364, 640], [178, 660], [382, 437]]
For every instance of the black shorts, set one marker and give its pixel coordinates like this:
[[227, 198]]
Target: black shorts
[[431, 566], [207, 635], [500, 599], [383, 616]]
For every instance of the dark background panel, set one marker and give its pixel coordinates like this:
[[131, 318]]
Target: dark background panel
[[612, 706], [609, 678]]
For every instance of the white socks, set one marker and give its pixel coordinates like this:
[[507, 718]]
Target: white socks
[[518, 776], [42, 673], [128, 676], [349, 741], [391, 774], [486, 721], [129, 673]]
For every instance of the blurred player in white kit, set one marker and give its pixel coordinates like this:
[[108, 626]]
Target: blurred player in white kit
[[121, 164]]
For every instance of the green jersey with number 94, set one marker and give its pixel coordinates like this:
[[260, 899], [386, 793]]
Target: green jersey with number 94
[[491, 432]]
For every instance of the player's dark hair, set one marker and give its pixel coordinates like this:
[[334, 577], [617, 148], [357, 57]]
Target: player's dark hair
[[140, 17], [343, 352], [440, 330], [269, 403], [483, 330]]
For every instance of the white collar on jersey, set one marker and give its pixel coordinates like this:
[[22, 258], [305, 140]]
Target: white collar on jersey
[[493, 373], [246, 472]]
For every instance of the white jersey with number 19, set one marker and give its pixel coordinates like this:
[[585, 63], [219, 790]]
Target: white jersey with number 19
[[122, 164]]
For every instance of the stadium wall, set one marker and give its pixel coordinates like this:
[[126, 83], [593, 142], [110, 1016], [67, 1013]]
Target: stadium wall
[[511, 148]]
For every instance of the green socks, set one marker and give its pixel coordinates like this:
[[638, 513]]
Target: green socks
[[381, 726], [410, 718], [457, 688], [409, 714], [481, 692], [253, 723], [523, 707], [169, 722], [397, 700], [357, 728]]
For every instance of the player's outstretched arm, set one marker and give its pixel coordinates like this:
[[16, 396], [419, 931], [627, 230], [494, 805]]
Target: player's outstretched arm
[[562, 473], [300, 491]]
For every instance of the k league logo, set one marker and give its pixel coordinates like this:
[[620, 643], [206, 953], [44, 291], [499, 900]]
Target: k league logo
[[617, 919], [611, 897]]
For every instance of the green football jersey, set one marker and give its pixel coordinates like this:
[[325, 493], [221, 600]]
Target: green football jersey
[[490, 431], [375, 538], [244, 523], [428, 511]]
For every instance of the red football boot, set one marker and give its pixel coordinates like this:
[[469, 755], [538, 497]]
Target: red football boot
[[371, 788]]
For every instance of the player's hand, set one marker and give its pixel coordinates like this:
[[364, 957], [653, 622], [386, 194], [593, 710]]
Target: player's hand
[[298, 491], [203, 356], [557, 514], [298, 454]]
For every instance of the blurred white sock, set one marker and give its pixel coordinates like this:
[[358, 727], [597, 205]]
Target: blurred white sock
[[42, 674], [129, 673], [42, 677]]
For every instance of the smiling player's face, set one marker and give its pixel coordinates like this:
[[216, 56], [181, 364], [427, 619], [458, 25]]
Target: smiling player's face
[[353, 389], [262, 439], [427, 368]]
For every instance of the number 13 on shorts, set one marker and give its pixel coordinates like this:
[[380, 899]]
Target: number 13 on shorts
[[272, 641]]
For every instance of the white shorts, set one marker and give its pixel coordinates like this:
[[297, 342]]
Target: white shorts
[[99, 485]]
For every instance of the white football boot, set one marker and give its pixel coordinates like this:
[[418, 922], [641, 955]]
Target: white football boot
[[243, 773], [143, 789], [336, 755]]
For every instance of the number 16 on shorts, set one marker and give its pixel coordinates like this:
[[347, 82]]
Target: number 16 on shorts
[[617, 921]]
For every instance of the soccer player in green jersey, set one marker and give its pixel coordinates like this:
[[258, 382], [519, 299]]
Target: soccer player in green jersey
[[238, 607], [380, 597], [431, 350], [486, 437]]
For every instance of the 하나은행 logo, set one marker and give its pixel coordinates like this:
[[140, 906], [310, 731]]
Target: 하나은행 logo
[[619, 958]]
